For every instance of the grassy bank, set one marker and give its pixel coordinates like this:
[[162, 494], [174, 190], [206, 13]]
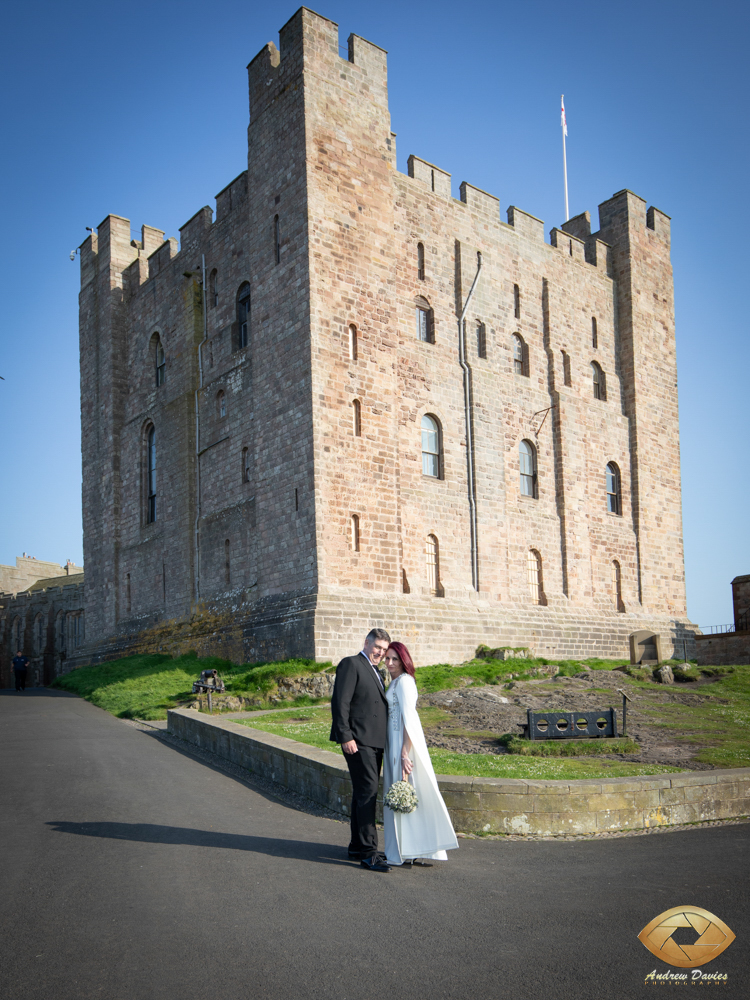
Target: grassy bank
[[312, 726]]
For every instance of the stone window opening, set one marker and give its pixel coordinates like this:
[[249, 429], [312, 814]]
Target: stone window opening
[[614, 493], [76, 622], [432, 447], [276, 240], [617, 587], [227, 565], [39, 634], [425, 322], [567, 380], [432, 554], [245, 465], [481, 340], [221, 403], [60, 632], [405, 588], [520, 355], [213, 295], [535, 578], [151, 475], [356, 418], [160, 360], [15, 634], [354, 532], [352, 342], [528, 469], [516, 302], [599, 381], [594, 334], [243, 316], [420, 261], [432, 180], [127, 593]]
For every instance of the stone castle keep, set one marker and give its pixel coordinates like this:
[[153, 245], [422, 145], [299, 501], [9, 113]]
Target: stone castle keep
[[289, 436]]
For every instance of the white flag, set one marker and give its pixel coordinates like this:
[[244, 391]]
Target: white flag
[[563, 119]]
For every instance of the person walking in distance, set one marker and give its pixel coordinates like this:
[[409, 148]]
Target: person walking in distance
[[20, 665], [360, 722]]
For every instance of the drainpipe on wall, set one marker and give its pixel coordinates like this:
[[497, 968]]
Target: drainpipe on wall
[[469, 429], [198, 434]]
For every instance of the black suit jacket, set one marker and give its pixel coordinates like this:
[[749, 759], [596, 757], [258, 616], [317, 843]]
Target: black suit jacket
[[358, 705]]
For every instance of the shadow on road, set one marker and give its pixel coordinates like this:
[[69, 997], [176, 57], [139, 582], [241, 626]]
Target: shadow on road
[[38, 692], [151, 833]]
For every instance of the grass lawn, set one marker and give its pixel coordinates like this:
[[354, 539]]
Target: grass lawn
[[312, 726]]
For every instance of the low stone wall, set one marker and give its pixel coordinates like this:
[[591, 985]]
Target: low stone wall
[[723, 649], [487, 805]]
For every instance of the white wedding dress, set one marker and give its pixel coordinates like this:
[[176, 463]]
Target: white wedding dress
[[427, 832]]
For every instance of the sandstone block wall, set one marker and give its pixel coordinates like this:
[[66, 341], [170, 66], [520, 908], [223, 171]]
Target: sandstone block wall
[[289, 470]]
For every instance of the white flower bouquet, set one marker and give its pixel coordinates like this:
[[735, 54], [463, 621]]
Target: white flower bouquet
[[401, 797]]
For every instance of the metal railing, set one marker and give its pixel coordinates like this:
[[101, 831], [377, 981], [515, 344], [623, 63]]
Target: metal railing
[[741, 625]]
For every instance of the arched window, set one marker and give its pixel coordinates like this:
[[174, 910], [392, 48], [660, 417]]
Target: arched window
[[39, 634], [481, 340], [354, 532], [15, 635], [566, 368], [245, 465], [516, 302], [432, 553], [221, 403], [614, 494], [227, 567], [520, 355], [599, 381], [276, 240], [213, 294], [431, 447], [352, 342], [534, 575], [594, 333], [420, 261], [425, 322], [151, 475], [527, 465], [243, 316], [617, 586], [357, 418], [160, 361]]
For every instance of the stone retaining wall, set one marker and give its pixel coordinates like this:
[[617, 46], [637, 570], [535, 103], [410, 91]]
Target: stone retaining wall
[[723, 649], [489, 805]]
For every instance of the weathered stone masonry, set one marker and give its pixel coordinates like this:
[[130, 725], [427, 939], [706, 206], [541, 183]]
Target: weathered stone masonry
[[259, 559]]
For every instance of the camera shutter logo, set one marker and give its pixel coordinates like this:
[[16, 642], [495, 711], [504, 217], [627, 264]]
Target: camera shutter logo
[[714, 937]]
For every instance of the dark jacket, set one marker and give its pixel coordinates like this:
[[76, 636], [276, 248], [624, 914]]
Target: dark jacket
[[358, 705]]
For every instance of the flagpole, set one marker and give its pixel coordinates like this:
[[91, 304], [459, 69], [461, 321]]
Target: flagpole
[[563, 124]]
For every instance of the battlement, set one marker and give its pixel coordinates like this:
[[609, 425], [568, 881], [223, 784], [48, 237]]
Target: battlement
[[437, 180], [231, 196]]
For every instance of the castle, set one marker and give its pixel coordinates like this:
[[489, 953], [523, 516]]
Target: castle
[[353, 400]]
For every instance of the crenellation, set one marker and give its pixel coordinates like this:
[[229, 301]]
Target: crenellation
[[194, 231], [487, 205], [160, 258], [525, 224], [572, 246], [438, 181]]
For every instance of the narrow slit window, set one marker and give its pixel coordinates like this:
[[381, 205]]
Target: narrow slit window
[[213, 295], [425, 324], [354, 532], [151, 476], [245, 465], [243, 316], [534, 576], [276, 240], [161, 362], [221, 403], [516, 302], [127, 593], [357, 418], [520, 355], [614, 494], [481, 340], [598, 381], [617, 586], [420, 261], [352, 342], [432, 553], [431, 446], [594, 333], [528, 469], [566, 369], [227, 564]]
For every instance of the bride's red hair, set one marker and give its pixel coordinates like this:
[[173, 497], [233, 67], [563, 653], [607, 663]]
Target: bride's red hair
[[404, 655]]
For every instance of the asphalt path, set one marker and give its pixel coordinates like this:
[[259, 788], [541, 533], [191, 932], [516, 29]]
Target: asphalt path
[[133, 871]]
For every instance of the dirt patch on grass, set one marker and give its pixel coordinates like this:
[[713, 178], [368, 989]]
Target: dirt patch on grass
[[472, 718]]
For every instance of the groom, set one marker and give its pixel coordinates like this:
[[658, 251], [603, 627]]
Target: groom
[[360, 721]]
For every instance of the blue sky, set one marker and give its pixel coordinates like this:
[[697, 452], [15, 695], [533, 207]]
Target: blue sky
[[141, 110]]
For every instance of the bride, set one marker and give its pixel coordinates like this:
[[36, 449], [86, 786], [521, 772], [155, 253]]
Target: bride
[[427, 832]]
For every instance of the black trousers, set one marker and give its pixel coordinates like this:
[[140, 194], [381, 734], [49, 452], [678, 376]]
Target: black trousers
[[364, 768], [20, 680]]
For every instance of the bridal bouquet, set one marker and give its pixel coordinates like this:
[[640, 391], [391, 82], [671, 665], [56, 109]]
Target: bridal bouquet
[[401, 797]]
